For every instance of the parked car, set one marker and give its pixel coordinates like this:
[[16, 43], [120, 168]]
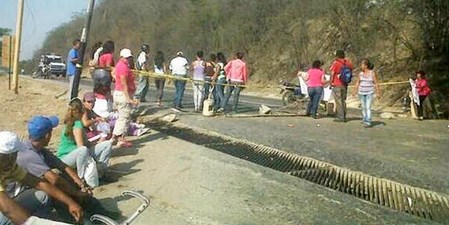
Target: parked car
[[57, 65]]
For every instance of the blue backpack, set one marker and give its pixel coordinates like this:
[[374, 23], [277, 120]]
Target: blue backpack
[[345, 74]]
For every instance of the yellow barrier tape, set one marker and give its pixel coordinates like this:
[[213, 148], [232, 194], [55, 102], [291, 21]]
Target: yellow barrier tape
[[159, 76]]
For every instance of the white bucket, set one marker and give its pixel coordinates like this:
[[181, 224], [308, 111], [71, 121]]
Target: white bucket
[[208, 107]]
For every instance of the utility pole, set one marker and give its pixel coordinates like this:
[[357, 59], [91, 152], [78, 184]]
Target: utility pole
[[82, 50], [17, 46]]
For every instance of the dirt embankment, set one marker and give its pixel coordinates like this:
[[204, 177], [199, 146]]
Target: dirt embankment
[[36, 97]]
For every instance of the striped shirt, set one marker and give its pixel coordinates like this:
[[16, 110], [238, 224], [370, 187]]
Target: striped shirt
[[366, 85]]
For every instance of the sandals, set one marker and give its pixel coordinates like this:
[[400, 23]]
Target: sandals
[[124, 144]]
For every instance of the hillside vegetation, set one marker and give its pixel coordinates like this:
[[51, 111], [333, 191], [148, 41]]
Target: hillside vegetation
[[399, 36]]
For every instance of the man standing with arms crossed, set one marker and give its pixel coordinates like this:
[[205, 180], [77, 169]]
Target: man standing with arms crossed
[[339, 88]]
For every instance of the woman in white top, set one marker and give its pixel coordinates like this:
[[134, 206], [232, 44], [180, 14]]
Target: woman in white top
[[198, 67], [365, 86]]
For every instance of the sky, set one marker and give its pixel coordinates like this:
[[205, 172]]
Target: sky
[[39, 17]]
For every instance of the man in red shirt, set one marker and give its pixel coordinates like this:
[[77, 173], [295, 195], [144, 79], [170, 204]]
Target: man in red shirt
[[339, 89]]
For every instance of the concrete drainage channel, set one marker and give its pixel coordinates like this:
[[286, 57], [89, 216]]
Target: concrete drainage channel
[[404, 198]]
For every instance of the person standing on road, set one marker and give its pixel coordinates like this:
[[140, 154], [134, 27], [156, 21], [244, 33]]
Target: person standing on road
[[365, 86], [237, 75], [315, 80], [143, 65], [423, 90], [179, 67], [198, 67], [106, 60], [160, 68], [17, 208], [209, 71], [123, 97], [340, 89], [72, 60], [220, 80]]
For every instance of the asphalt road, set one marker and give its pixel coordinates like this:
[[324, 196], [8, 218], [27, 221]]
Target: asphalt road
[[404, 150]]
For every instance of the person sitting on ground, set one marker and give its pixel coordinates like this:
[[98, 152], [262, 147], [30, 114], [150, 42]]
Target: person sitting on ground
[[18, 210], [91, 120], [74, 149], [37, 160], [423, 90]]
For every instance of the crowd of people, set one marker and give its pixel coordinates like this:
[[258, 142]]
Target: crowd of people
[[102, 118]]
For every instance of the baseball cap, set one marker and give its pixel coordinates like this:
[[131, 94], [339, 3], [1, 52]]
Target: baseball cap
[[125, 53], [89, 96], [39, 126], [9, 142]]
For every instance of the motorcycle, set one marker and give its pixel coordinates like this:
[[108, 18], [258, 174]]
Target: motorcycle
[[291, 93], [295, 96], [42, 71]]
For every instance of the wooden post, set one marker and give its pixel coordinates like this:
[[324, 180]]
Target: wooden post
[[17, 46]]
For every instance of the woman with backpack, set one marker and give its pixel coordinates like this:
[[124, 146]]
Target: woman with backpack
[[365, 86]]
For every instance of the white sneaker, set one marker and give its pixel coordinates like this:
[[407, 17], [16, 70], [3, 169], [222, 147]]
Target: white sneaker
[[142, 131]]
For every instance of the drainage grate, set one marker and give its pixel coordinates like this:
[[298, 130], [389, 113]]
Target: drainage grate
[[419, 202]]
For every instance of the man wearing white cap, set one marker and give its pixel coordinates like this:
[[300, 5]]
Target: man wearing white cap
[[17, 210], [125, 89], [179, 68]]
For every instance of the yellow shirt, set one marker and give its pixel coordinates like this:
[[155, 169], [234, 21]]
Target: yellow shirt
[[15, 174]]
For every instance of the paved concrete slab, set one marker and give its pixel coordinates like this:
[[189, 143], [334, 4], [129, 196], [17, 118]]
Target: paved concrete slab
[[190, 184]]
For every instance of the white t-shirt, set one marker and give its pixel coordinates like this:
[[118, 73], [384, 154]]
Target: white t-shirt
[[142, 59], [179, 66]]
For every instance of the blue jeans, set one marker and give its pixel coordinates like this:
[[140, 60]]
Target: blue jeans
[[180, 86], [235, 92], [315, 94], [34, 201], [366, 101], [207, 87], [218, 93], [142, 89]]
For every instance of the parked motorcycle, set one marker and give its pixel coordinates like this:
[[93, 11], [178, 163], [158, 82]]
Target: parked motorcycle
[[291, 93], [42, 71], [292, 96]]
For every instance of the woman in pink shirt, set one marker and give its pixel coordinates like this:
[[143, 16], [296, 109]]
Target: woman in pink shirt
[[125, 88], [423, 91], [315, 80], [106, 59]]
